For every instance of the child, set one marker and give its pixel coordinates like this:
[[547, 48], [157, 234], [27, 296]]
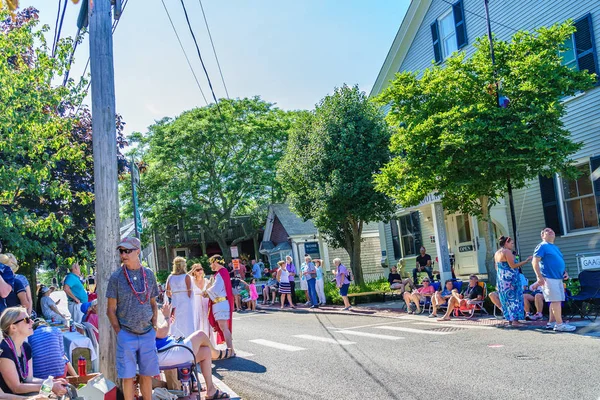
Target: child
[[253, 294]]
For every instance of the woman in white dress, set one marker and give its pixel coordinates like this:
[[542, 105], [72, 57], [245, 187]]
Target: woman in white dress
[[201, 303], [179, 289]]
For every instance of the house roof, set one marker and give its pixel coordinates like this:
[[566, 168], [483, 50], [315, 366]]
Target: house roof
[[293, 224], [408, 29]]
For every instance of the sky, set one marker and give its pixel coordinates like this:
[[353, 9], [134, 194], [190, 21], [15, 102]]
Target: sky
[[291, 53]]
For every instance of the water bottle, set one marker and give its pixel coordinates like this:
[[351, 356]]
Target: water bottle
[[47, 385], [184, 377], [82, 366]]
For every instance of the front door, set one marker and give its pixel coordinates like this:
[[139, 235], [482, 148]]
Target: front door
[[462, 244]]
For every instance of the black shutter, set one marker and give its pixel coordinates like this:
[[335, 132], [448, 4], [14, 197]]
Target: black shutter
[[459, 23], [595, 163], [396, 239], [585, 46], [416, 225], [437, 46], [550, 204]]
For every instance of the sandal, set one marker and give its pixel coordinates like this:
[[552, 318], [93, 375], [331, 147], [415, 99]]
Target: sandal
[[223, 357], [218, 395]]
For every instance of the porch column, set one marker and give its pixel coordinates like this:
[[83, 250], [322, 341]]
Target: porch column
[[441, 241]]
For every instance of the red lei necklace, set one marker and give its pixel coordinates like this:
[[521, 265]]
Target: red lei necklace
[[22, 367], [145, 285]]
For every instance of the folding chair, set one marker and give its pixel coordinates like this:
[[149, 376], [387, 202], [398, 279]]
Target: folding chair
[[475, 305], [192, 367], [426, 302], [90, 331], [589, 282], [456, 285]]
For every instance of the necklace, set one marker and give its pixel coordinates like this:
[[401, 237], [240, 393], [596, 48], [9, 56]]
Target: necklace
[[144, 285], [22, 362]]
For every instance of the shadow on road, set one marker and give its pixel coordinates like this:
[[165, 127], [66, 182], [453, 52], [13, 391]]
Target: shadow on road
[[239, 364]]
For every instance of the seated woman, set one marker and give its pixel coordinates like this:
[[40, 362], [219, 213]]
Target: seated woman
[[90, 314], [200, 345], [47, 307], [270, 291], [396, 281], [417, 295], [440, 298], [48, 352], [16, 364]]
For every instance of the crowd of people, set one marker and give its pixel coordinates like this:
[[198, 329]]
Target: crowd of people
[[514, 296]]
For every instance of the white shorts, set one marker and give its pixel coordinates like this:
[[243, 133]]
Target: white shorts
[[553, 290], [221, 311], [303, 284], [176, 355]]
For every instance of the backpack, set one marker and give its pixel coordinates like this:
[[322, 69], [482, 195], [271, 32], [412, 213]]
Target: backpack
[[349, 276]]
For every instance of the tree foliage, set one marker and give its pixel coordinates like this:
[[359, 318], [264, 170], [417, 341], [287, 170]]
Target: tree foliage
[[207, 166], [328, 168], [46, 166], [452, 138]]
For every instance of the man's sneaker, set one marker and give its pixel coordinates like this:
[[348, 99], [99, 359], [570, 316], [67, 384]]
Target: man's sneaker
[[550, 325], [564, 328]]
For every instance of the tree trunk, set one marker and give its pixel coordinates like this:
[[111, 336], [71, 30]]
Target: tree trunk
[[489, 241], [224, 248], [355, 251]]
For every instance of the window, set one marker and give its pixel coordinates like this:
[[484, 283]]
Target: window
[[568, 56], [410, 233], [449, 32], [463, 226], [580, 48], [580, 203]]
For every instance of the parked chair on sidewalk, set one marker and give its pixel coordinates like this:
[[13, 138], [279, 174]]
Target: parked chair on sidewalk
[[456, 285], [588, 299], [474, 305]]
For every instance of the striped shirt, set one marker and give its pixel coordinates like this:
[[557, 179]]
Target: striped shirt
[[48, 352]]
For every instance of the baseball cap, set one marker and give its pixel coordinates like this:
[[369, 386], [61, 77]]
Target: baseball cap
[[131, 243]]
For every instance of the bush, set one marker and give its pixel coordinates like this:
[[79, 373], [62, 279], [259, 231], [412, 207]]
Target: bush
[[161, 276], [202, 260], [332, 292]]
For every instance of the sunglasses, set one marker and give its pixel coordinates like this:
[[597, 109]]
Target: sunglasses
[[26, 319], [126, 251]]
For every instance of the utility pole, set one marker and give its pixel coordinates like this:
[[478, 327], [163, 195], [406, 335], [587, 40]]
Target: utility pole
[[508, 183], [104, 137]]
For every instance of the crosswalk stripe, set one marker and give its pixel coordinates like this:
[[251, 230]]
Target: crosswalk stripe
[[412, 330], [367, 334], [441, 325], [244, 354], [325, 339], [277, 345]]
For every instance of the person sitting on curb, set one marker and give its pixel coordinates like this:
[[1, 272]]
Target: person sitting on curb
[[531, 296], [471, 293], [198, 343], [417, 295], [440, 298], [396, 281]]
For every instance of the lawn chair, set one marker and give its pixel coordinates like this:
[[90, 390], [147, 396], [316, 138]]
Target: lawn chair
[[181, 374], [588, 299], [475, 305], [426, 302], [456, 285], [90, 331]]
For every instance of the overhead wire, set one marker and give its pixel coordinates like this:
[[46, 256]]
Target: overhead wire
[[184, 52], [57, 31], [56, 24], [213, 47]]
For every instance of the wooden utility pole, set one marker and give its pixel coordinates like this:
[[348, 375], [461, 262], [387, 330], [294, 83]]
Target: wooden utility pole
[[105, 170]]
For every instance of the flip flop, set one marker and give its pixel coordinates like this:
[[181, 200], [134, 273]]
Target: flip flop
[[218, 395]]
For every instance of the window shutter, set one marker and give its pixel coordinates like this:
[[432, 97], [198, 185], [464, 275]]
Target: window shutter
[[416, 225], [396, 239], [437, 46], [550, 204], [595, 163], [459, 23], [585, 46]]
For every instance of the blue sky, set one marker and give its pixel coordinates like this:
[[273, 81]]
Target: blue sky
[[292, 53]]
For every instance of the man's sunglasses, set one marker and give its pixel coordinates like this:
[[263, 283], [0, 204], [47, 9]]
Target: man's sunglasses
[[26, 319], [126, 251]]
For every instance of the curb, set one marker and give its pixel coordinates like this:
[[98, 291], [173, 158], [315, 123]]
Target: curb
[[357, 311], [219, 384]]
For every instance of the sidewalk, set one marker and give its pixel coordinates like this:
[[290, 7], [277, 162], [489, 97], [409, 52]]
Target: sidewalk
[[395, 309]]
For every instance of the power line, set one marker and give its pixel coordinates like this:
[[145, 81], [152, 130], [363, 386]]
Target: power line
[[56, 25], [213, 47], [483, 17], [57, 32], [184, 52]]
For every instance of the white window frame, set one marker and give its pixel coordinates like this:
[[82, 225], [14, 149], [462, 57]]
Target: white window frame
[[184, 249], [442, 39], [562, 203]]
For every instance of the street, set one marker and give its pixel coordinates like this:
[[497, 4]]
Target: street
[[284, 355]]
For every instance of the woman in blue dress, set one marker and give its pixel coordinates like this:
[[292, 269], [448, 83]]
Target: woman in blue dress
[[509, 281]]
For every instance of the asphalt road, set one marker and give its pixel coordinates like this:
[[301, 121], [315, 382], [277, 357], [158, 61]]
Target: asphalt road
[[317, 356]]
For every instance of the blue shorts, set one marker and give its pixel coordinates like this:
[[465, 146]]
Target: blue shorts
[[136, 350], [344, 289]]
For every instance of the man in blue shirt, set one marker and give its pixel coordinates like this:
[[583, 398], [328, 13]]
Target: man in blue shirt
[[257, 269], [549, 266]]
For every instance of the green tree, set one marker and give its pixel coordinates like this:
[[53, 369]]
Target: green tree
[[207, 166], [451, 137], [328, 167]]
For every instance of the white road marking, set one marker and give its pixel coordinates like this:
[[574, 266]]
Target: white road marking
[[370, 335], [442, 324], [244, 354], [277, 345], [325, 339], [366, 326], [412, 330]]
